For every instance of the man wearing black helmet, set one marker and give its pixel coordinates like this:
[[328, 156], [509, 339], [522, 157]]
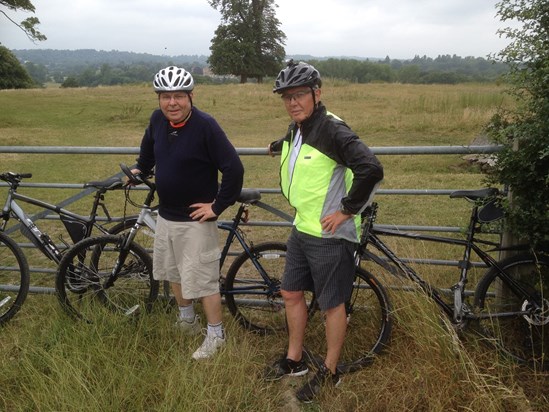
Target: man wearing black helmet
[[188, 149], [329, 176]]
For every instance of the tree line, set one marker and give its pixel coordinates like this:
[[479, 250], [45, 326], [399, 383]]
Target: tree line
[[90, 68]]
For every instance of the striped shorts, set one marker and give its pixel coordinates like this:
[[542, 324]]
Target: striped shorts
[[325, 266]]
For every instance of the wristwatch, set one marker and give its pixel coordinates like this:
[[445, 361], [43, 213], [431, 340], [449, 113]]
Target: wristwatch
[[344, 210]]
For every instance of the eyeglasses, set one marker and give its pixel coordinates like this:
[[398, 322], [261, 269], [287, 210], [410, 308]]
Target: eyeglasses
[[297, 96], [178, 97]]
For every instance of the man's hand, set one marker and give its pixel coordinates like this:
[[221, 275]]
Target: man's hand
[[202, 212], [330, 223], [128, 181]]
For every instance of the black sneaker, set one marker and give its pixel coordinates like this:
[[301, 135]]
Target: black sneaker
[[285, 367], [323, 377]]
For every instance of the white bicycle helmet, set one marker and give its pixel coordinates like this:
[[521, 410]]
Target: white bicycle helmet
[[173, 79]]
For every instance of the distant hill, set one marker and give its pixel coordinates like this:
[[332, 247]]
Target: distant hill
[[70, 59]]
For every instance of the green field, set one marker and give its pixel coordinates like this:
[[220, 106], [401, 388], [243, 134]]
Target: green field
[[50, 362]]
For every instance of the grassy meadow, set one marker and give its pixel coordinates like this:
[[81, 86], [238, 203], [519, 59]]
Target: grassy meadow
[[52, 363]]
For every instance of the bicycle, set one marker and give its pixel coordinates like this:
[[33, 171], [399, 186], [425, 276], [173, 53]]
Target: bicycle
[[14, 270], [510, 308], [94, 264]]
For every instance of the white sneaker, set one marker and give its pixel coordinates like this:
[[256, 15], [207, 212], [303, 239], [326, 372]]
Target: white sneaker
[[189, 328], [209, 347]]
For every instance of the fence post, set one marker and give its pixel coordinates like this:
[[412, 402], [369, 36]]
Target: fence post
[[508, 239]]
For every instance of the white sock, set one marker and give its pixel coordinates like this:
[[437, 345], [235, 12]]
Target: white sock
[[186, 313], [216, 330]]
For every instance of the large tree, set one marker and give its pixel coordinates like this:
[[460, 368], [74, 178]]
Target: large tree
[[248, 43], [12, 74], [29, 24], [523, 165]]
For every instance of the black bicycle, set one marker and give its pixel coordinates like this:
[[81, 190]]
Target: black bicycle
[[510, 306], [114, 271], [14, 269]]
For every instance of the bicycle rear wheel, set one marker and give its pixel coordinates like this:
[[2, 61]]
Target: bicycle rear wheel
[[369, 324], [517, 326], [252, 288], [86, 288], [14, 278]]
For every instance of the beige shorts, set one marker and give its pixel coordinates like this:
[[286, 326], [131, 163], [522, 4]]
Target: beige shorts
[[187, 253]]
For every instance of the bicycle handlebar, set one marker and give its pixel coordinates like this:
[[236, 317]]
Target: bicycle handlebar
[[135, 179], [14, 178]]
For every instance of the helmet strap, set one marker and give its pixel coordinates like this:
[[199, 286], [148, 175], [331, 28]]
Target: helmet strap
[[315, 103]]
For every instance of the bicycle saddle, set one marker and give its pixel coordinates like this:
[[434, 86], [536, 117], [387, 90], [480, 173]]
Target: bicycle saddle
[[249, 196], [475, 194], [109, 184]]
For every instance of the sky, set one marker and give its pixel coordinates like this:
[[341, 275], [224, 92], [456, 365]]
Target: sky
[[400, 29]]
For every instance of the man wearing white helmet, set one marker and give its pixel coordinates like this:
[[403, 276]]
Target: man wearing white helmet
[[187, 149]]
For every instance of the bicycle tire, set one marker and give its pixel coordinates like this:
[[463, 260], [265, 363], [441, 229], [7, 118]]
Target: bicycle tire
[[82, 274], [14, 278], [524, 338], [253, 300]]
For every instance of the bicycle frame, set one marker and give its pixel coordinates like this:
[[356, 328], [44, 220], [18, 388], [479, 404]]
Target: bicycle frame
[[40, 239], [457, 312], [234, 232]]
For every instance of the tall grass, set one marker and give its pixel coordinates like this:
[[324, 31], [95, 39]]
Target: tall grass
[[50, 362]]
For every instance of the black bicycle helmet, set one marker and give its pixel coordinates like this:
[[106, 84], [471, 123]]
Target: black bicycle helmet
[[295, 75]]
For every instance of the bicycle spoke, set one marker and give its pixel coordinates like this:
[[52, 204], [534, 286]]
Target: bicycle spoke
[[516, 325]]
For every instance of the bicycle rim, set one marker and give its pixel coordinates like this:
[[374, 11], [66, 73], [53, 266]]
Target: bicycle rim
[[82, 282], [14, 278], [523, 337]]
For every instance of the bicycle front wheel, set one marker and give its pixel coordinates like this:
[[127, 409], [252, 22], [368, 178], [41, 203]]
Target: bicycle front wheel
[[514, 324], [14, 278], [97, 275], [252, 288]]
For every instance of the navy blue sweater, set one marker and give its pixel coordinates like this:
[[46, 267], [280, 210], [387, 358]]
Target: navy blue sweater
[[187, 161]]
